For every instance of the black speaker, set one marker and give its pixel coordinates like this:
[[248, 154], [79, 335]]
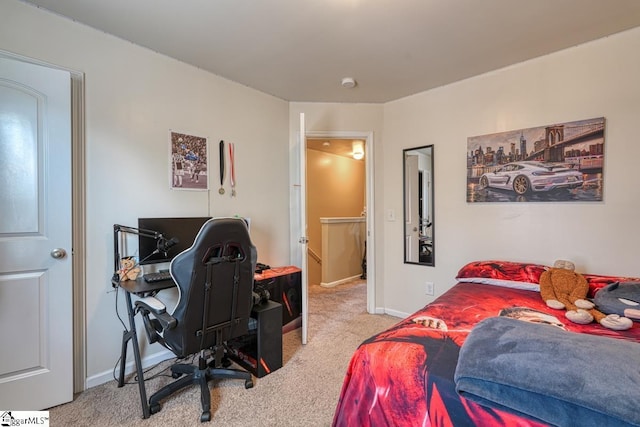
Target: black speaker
[[260, 351]]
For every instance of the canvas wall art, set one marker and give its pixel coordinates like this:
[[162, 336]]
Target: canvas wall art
[[555, 163], [188, 162]]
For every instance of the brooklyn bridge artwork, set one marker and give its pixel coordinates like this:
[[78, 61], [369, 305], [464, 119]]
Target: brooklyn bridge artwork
[[555, 163]]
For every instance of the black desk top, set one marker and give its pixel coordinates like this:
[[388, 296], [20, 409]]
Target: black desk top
[[140, 286]]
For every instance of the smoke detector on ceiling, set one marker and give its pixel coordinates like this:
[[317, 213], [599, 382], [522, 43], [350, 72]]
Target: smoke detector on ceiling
[[348, 82]]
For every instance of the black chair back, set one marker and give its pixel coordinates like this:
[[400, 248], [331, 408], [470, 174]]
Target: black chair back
[[215, 283]]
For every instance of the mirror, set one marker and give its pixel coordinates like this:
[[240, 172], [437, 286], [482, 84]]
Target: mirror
[[418, 205]]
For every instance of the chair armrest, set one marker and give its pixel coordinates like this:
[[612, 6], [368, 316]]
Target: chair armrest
[[152, 305]]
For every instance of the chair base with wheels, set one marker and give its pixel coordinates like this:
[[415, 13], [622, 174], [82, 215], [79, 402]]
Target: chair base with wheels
[[200, 374]]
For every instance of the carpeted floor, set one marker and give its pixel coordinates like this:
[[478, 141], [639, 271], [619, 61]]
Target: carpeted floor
[[304, 392]]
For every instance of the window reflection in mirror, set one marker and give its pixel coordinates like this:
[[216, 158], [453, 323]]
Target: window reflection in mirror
[[418, 206]]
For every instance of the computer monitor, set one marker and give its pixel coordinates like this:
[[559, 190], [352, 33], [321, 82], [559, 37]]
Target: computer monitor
[[183, 229]]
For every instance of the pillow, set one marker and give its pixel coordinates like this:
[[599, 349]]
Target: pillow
[[503, 273]]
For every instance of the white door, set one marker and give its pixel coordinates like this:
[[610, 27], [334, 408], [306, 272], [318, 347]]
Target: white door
[[302, 142], [36, 366], [411, 220]]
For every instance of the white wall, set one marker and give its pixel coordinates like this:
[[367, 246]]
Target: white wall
[[133, 97], [598, 79]]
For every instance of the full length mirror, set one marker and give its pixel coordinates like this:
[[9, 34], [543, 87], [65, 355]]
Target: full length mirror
[[418, 205]]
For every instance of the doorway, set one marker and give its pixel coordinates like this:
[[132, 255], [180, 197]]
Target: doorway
[[365, 205], [336, 208]]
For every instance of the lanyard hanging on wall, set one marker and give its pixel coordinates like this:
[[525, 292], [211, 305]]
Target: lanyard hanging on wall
[[232, 176], [221, 146]]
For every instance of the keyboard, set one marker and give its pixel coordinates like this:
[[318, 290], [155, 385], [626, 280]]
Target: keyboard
[[158, 276]]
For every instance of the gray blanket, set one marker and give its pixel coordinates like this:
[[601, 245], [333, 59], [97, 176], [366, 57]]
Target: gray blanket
[[544, 373]]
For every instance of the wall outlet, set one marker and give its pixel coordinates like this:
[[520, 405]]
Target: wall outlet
[[429, 289]]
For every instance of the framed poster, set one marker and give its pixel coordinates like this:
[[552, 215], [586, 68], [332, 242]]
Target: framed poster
[[554, 163], [188, 162]]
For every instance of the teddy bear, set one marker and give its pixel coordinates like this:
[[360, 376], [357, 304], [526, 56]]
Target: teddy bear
[[562, 288], [128, 269]]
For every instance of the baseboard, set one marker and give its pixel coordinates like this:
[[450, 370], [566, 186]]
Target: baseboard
[[106, 376], [396, 313], [338, 282], [379, 310]]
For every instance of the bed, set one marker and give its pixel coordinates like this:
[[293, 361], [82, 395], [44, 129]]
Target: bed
[[404, 376]]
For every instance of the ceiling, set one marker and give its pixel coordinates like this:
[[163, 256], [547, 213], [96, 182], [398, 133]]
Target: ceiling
[[299, 50]]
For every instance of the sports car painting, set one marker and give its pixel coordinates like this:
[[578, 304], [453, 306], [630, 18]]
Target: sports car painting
[[532, 176], [560, 162]]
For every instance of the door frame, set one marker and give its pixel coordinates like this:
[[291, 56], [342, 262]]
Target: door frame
[[78, 213], [411, 208], [369, 194]]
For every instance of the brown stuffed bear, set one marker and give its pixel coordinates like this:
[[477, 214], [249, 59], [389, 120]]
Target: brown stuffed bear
[[128, 269], [562, 288]]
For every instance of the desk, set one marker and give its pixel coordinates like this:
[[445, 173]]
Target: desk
[[141, 288], [284, 286]]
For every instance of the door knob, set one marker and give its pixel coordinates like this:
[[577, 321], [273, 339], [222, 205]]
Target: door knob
[[58, 253]]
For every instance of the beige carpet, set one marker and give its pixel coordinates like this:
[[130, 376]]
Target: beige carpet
[[304, 392]]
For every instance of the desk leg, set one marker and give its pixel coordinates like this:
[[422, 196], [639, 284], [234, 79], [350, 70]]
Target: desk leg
[[132, 336]]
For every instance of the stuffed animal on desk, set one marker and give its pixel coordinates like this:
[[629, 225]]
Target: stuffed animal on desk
[[128, 269]]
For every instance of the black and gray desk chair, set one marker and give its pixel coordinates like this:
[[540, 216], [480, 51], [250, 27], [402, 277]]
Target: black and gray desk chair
[[215, 283]]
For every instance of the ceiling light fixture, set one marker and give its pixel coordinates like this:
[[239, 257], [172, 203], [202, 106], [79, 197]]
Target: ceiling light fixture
[[358, 150], [348, 82]]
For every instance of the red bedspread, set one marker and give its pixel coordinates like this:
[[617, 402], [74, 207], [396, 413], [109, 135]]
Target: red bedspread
[[404, 376]]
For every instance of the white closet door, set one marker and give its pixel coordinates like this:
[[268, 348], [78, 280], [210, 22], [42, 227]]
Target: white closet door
[[36, 318]]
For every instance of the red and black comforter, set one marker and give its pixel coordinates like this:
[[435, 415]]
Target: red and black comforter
[[404, 376]]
